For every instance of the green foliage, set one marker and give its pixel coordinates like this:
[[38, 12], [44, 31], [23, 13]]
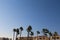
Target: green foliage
[[21, 28], [31, 33], [38, 32], [29, 28]]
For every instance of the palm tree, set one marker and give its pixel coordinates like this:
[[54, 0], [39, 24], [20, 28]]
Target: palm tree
[[45, 34], [37, 34], [55, 34], [29, 30], [45, 31], [14, 30], [21, 29], [50, 34], [17, 33], [31, 33]]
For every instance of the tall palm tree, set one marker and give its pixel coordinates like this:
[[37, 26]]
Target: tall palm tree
[[45, 31], [50, 34], [29, 30], [45, 34], [21, 29], [31, 33], [14, 30], [37, 34], [55, 34], [17, 33]]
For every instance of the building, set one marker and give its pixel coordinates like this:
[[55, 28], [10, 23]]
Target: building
[[4, 38], [25, 38], [55, 38], [34, 38], [41, 38]]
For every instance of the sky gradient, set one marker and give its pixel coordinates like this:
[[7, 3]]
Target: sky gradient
[[37, 13]]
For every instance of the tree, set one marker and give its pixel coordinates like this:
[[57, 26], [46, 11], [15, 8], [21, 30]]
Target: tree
[[31, 33], [45, 34], [37, 34], [50, 34], [55, 34], [29, 30], [14, 30], [21, 29], [17, 33], [45, 31]]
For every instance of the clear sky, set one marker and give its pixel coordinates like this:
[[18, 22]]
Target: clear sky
[[37, 13]]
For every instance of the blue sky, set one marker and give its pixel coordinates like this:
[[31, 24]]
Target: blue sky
[[37, 13]]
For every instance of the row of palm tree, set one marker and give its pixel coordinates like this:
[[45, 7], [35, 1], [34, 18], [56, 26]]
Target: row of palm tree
[[18, 31], [48, 33]]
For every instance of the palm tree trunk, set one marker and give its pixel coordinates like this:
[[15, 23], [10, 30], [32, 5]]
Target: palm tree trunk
[[49, 38], [20, 35], [55, 39], [13, 35], [37, 36], [31, 37], [16, 36], [28, 36]]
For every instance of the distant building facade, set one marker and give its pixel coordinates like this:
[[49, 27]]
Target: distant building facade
[[22, 38], [34, 38], [40, 38], [4, 38], [55, 38]]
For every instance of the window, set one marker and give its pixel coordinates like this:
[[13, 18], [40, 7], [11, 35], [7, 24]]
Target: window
[[57, 37], [40, 38], [43, 37], [53, 37]]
